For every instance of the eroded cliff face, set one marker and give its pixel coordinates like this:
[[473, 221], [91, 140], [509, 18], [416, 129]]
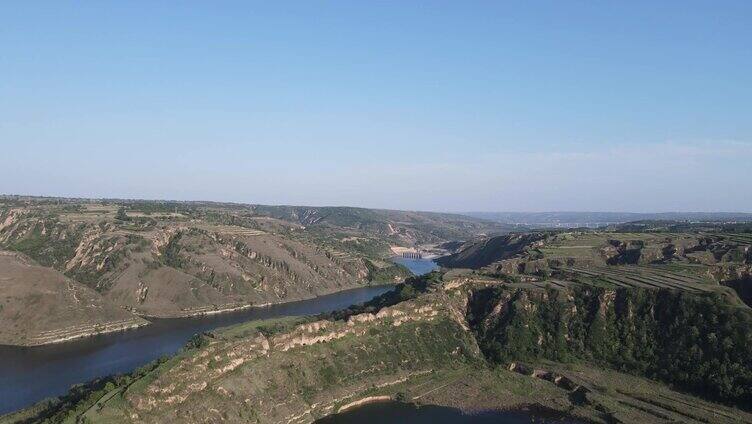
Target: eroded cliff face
[[179, 267], [736, 276], [308, 371], [698, 342], [448, 344]]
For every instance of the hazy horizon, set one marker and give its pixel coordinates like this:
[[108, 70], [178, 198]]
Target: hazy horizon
[[484, 106], [460, 212]]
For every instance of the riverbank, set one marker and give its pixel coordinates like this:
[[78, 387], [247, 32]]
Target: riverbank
[[30, 374], [224, 309], [69, 334], [585, 394], [140, 320], [361, 402], [416, 266], [421, 350]]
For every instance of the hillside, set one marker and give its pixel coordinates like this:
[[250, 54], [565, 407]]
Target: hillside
[[171, 259], [474, 344], [478, 254], [401, 227], [40, 305], [709, 260]]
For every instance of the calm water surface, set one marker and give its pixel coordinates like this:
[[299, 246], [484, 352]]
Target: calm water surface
[[417, 266], [396, 412], [28, 375]]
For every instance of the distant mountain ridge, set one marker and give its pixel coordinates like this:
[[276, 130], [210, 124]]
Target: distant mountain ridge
[[595, 219]]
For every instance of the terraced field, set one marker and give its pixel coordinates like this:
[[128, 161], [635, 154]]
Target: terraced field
[[649, 276], [442, 346], [231, 230], [700, 262], [741, 238]]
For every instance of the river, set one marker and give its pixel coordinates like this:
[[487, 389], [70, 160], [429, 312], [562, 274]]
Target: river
[[417, 266], [30, 374]]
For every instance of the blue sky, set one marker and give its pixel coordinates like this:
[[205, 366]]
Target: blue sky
[[514, 106]]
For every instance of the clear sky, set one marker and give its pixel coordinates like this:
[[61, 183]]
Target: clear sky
[[435, 105]]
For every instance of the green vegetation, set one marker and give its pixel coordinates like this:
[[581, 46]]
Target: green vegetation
[[699, 343], [164, 207], [488, 251], [121, 215], [46, 250], [386, 274], [210, 256], [81, 398], [416, 227], [592, 335], [410, 289], [382, 353], [695, 262], [171, 252], [267, 327], [642, 299]]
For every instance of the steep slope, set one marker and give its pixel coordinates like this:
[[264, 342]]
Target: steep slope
[[401, 227], [159, 261], [694, 342], [457, 343], [487, 251], [714, 259], [40, 305]]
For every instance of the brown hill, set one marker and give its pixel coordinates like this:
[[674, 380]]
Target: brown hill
[[40, 305], [171, 259]]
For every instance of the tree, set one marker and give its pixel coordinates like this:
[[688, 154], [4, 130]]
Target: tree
[[121, 215]]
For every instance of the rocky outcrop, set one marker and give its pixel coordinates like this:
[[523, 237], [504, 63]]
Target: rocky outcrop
[[220, 366], [620, 252], [74, 332], [738, 277], [325, 331]]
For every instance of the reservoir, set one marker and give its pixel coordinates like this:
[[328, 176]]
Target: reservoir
[[397, 412], [417, 266], [30, 374]]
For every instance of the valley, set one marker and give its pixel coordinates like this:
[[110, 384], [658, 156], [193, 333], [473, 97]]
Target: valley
[[636, 322], [357, 212], [132, 260], [475, 345], [31, 374]]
